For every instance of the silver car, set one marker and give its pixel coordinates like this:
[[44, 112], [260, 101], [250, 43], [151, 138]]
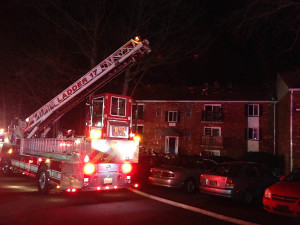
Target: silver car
[[181, 172]]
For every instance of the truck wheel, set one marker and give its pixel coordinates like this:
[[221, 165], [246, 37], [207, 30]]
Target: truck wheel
[[5, 167], [190, 186], [43, 180]]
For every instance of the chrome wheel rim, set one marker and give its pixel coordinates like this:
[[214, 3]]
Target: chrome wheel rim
[[42, 180]]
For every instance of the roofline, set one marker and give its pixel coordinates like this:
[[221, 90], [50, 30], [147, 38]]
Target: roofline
[[207, 101]]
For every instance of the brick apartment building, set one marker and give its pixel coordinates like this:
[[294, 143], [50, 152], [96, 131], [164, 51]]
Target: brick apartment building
[[202, 125], [225, 127], [288, 118]]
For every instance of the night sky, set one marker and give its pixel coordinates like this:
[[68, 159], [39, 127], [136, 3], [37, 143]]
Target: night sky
[[46, 45]]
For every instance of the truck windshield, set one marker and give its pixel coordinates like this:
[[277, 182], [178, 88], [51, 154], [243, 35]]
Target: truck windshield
[[118, 106]]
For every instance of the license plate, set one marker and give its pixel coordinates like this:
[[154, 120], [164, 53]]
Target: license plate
[[283, 207], [107, 180], [213, 183]]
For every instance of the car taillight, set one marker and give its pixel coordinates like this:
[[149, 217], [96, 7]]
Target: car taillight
[[202, 179], [229, 182], [71, 190], [126, 168], [89, 168], [268, 193]]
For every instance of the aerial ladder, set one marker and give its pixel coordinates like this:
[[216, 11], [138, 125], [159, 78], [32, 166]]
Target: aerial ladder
[[102, 162]]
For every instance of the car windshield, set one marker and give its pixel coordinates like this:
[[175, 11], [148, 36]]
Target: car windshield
[[227, 169], [294, 176]]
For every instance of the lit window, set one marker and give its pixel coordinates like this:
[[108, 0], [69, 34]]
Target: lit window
[[252, 133]]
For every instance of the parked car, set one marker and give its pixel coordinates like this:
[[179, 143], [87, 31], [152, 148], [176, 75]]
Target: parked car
[[141, 170], [284, 197], [181, 172], [274, 162], [238, 180]]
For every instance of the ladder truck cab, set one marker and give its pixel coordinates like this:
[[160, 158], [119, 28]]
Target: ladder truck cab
[[101, 159]]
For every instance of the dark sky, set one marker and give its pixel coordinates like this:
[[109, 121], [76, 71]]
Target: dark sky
[[243, 41]]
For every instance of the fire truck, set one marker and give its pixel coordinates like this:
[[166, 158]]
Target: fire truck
[[100, 160]]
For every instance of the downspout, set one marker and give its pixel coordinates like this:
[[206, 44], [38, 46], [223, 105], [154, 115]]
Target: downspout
[[291, 131], [274, 130]]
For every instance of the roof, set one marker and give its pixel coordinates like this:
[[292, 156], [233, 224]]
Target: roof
[[291, 78], [233, 93]]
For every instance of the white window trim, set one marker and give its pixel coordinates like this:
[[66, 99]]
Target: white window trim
[[211, 128], [258, 109], [176, 119], [218, 105]]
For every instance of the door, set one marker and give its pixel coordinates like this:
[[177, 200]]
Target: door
[[171, 145]]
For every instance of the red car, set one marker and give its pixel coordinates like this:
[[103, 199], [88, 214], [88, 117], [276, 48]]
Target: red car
[[284, 197]]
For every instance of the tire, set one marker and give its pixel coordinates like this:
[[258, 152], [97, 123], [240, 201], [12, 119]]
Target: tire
[[249, 197], [5, 167], [190, 186], [43, 180]]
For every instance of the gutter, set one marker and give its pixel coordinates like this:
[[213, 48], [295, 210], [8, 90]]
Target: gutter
[[291, 130]]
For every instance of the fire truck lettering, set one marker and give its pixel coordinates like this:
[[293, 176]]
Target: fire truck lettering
[[94, 73], [69, 92], [64, 95], [84, 81]]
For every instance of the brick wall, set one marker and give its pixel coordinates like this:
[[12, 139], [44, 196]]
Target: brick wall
[[232, 141]]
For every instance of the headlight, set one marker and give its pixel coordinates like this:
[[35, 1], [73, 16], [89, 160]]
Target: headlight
[[268, 193]]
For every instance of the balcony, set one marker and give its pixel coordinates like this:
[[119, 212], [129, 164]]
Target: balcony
[[213, 116], [212, 141]]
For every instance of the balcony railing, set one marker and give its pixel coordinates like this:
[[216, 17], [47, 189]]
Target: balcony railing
[[212, 141], [216, 116]]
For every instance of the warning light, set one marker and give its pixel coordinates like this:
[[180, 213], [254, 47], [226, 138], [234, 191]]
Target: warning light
[[136, 185], [86, 159], [137, 138], [137, 39], [126, 168], [95, 134], [10, 151], [89, 168]]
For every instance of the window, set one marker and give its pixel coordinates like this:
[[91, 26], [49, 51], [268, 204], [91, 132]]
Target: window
[[212, 113], [212, 131], [253, 110], [138, 111], [97, 112], [188, 112], [118, 106], [212, 108], [157, 134], [253, 133], [158, 112], [172, 116], [139, 129], [187, 135]]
